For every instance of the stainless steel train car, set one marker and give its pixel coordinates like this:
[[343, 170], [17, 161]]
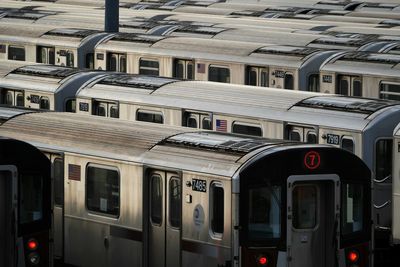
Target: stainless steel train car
[[45, 87], [136, 194], [362, 126], [25, 206], [362, 74]]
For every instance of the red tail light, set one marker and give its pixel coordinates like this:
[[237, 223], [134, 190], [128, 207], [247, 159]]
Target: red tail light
[[32, 244], [262, 261], [353, 256]]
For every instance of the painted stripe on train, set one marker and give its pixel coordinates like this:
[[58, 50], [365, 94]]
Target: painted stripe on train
[[126, 233]]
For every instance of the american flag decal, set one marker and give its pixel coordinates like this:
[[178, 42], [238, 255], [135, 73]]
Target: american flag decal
[[74, 172], [221, 125]]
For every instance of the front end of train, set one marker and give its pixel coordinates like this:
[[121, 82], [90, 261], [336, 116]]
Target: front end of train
[[304, 206]]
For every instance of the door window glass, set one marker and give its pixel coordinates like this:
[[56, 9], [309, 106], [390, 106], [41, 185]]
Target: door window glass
[[156, 194], [383, 158], [264, 213], [9, 99], [348, 144], [264, 78], [343, 87], [357, 89], [175, 202], [206, 123], [44, 103], [179, 69], [122, 63], [70, 105], [313, 83], [112, 65], [289, 81], [58, 171], [114, 111], [294, 136], [252, 77], [191, 122], [217, 208], [352, 208], [20, 99], [190, 73], [30, 198], [311, 138], [304, 207]]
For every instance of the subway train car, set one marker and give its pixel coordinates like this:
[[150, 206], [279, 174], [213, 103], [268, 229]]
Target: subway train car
[[25, 205], [136, 194]]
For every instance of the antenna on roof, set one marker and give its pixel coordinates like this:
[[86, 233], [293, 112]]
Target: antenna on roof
[[111, 20]]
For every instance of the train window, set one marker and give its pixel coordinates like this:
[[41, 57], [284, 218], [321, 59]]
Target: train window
[[343, 87], [219, 74], [289, 81], [16, 53], [294, 135], [149, 67], [20, 101], [114, 111], [304, 207], [175, 202], [70, 105], [191, 122], [252, 77], [122, 63], [206, 123], [112, 63], [347, 144], [264, 212], [58, 172], [44, 103], [45, 55], [9, 99], [383, 158], [70, 59], [156, 198], [149, 116], [248, 129], [312, 138], [352, 208], [102, 190], [257, 76], [89, 63], [264, 78], [313, 83], [357, 89], [183, 69], [179, 70], [217, 208], [190, 72], [390, 91], [30, 198]]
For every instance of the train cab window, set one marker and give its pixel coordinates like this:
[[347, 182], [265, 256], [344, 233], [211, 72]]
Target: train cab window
[[183, 69], [58, 172], [289, 81], [313, 83], [390, 91], [156, 199], [219, 74], [175, 202], [264, 212], [30, 201], [206, 123], [312, 138], [20, 101], [304, 207], [347, 144], [102, 190], [149, 67], [352, 208], [248, 129], [70, 105], [383, 159], [217, 208], [70, 59], [16, 53], [44, 103], [89, 63], [149, 116]]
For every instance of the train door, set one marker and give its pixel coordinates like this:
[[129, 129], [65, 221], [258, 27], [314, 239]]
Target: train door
[[8, 223], [116, 62], [164, 245], [312, 220], [349, 85], [58, 209], [302, 134]]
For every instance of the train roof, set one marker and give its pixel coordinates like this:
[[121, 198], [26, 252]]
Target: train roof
[[249, 102], [220, 154], [7, 112]]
